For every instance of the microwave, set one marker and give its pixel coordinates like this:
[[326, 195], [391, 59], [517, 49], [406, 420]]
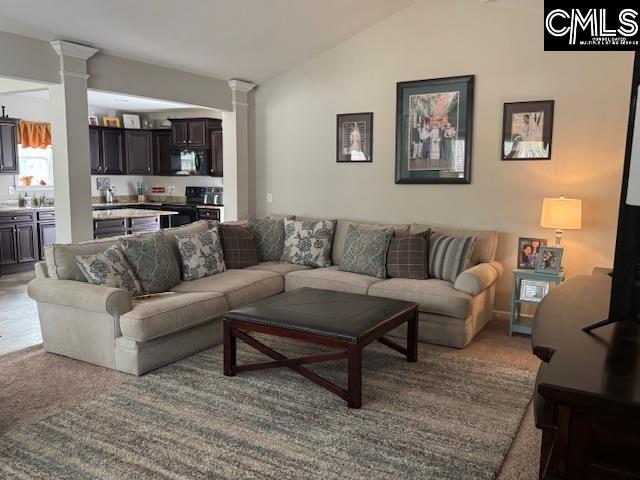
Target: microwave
[[189, 162]]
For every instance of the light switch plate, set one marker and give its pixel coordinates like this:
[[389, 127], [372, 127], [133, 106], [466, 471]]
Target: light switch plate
[[269, 198], [171, 189], [12, 190]]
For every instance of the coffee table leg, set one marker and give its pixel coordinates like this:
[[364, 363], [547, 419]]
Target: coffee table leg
[[354, 376], [229, 340], [412, 338]]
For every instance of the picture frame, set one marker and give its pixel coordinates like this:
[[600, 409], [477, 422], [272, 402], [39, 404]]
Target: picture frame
[[533, 290], [549, 260], [130, 120], [527, 130], [528, 251], [93, 121], [434, 126], [354, 137], [113, 122]]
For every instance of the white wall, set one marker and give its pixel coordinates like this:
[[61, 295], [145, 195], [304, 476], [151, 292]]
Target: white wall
[[296, 129]]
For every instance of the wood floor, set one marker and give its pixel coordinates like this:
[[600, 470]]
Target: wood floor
[[19, 326]]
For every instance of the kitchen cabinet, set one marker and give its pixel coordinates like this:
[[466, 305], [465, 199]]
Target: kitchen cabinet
[[106, 151], [46, 230], [18, 241], [138, 152], [193, 132], [161, 146], [215, 154], [125, 226], [9, 146]]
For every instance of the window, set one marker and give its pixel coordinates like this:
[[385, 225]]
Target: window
[[36, 168]]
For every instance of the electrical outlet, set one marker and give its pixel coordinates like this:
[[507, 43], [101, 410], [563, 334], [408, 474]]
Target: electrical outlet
[[269, 198], [171, 189], [12, 190]]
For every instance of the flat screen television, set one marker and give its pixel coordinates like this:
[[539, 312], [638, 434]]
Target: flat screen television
[[625, 289]]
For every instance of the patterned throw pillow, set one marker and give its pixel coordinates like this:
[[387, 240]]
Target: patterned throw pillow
[[269, 234], [110, 269], [365, 251], [153, 262], [239, 246], [408, 256], [308, 242], [449, 256], [201, 254]]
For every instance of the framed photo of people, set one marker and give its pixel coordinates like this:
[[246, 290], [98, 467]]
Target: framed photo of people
[[526, 130], [434, 123], [549, 260], [528, 252], [354, 137]]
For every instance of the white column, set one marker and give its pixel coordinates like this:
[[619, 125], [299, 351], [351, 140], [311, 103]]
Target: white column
[[235, 131], [70, 143]]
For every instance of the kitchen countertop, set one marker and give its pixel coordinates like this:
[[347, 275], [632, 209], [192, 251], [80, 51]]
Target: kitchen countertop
[[129, 213], [16, 208]]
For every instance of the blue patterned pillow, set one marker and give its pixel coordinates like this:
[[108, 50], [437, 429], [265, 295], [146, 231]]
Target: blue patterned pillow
[[109, 269], [365, 251], [269, 234], [308, 242]]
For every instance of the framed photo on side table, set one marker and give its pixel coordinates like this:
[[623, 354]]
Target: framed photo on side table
[[434, 122], [549, 260], [354, 137], [526, 130], [528, 249]]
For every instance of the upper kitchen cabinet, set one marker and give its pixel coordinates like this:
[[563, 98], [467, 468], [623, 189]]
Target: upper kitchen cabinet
[[138, 152], [215, 160], [193, 132], [106, 147], [161, 147], [8, 146]]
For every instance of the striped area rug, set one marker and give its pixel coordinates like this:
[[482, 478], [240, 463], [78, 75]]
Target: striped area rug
[[445, 417]]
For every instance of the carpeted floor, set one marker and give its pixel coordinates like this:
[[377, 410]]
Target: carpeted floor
[[445, 417], [453, 415]]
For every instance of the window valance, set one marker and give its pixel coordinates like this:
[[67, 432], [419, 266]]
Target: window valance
[[34, 134]]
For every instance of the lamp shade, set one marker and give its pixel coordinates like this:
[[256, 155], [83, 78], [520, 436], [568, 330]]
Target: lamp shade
[[561, 213]]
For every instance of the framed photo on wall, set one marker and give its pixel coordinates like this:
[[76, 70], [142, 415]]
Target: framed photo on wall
[[354, 137], [434, 122], [526, 130], [528, 250]]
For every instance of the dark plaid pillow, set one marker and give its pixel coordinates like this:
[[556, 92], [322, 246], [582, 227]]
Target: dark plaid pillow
[[408, 256], [239, 246]]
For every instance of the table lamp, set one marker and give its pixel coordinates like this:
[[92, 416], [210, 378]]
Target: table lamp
[[561, 214]]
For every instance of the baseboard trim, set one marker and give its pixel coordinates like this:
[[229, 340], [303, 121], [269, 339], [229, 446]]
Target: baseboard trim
[[505, 315]]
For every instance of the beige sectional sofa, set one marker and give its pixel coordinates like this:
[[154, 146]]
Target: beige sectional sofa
[[104, 326]]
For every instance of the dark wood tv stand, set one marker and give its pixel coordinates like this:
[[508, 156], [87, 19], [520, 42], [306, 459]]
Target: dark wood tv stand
[[587, 399]]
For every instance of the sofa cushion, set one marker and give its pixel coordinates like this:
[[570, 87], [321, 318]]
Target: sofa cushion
[[342, 227], [61, 258], [279, 267], [432, 296], [486, 243], [269, 234], [365, 251], [308, 242], [169, 312], [239, 245], [408, 256], [188, 229], [449, 256], [111, 269], [330, 278], [238, 286], [153, 261], [201, 254]]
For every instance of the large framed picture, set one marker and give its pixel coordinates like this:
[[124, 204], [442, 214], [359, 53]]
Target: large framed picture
[[549, 260], [434, 122], [526, 130], [528, 250], [354, 137]]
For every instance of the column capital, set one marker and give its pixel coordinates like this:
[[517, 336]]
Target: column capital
[[75, 50], [240, 85]]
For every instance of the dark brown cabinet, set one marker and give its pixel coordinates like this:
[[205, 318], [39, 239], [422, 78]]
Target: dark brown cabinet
[[215, 160], [197, 134], [25, 242], [193, 132], [179, 133], [138, 152], [46, 230], [8, 252], [161, 146], [18, 241], [8, 146], [106, 148]]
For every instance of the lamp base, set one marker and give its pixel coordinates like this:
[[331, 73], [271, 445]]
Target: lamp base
[[558, 239]]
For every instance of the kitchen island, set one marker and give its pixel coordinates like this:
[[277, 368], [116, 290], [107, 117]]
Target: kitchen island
[[126, 221]]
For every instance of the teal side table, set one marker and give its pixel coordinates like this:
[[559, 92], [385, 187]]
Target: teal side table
[[516, 325]]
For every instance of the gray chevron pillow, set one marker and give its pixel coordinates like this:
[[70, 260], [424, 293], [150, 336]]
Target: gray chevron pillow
[[269, 234], [365, 251]]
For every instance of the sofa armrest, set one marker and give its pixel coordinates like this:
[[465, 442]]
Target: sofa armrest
[[477, 279], [82, 295]]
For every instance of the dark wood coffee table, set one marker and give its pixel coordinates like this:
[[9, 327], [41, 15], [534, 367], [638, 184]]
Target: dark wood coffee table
[[335, 319]]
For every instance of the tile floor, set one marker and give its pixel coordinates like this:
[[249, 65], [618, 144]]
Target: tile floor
[[19, 326]]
